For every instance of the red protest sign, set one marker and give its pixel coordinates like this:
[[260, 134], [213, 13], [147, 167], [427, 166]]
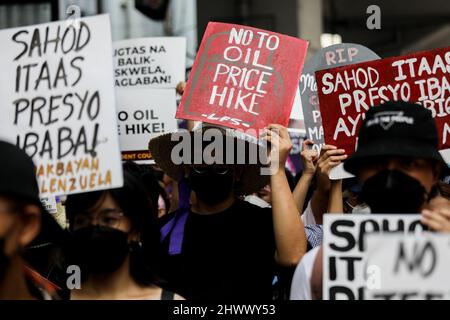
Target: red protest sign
[[346, 93], [243, 77]]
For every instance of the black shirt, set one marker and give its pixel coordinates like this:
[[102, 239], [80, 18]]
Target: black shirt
[[228, 255]]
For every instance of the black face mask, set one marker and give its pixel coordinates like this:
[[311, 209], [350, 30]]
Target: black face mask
[[97, 250], [210, 186], [392, 191]]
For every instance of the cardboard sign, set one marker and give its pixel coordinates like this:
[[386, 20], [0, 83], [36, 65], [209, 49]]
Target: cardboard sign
[[346, 93], [344, 250], [405, 267], [243, 77], [330, 57], [149, 62], [143, 115], [57, 103]]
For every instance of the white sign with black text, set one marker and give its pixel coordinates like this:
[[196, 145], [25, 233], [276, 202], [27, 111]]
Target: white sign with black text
[[143, 115], [345, 275], [150, 62], [409, 267]]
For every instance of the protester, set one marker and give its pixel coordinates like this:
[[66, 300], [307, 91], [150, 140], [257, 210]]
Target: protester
[[314, 233], [115, 242], [23, 222], [327, 197], [317, 167], [351, 197], [221, 247], [397, 163], [263, 197]]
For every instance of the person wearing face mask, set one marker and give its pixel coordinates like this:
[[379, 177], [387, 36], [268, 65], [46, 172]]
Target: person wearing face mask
[[351, 198], [219, 247], [114, 240], [397, 160], [24, 222], [398, 164]]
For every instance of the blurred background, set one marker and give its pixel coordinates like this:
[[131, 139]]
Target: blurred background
[[406, 25]]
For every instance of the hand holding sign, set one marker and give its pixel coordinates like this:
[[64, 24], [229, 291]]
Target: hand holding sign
[[309, 158], [330, 157], [437, 220], [280, 145]]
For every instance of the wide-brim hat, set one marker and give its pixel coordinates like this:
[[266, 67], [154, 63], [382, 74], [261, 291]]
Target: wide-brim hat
[[163, 147]]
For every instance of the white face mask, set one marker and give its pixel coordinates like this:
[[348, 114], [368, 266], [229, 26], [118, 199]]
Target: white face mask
[[359, 208], [257, 201]]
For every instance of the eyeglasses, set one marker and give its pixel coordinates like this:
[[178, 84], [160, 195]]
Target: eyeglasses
[[106, 218], [215, 169]]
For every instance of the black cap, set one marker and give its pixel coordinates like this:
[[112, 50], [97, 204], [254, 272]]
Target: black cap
[[18, 181], [396, 129]]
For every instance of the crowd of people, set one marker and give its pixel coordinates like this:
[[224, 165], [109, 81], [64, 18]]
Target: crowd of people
[[215, 231]]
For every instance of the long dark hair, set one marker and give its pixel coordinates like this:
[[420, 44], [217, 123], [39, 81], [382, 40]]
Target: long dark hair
[[138, 207]]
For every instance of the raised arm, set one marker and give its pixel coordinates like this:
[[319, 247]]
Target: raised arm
[[330, 158], [309, 159], [289, 231]]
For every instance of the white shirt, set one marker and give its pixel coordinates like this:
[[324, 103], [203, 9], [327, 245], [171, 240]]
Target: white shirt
[[308, 215], [301, 282]]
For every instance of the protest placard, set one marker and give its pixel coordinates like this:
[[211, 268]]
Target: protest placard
[[406, 267], [330, 57], [149, 62], [243, 77], [346, 93], [57, 103], [143, 115], [344, 250]]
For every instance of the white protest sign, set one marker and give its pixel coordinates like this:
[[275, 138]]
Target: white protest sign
[[409, 267], [49, 204], [344, 271], [150, 62], [57, 103], [143, 115]]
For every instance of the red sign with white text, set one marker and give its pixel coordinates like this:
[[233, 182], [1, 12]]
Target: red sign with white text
[[243, 77], [346, 93]]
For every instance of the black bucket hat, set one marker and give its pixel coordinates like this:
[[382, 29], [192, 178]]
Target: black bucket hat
[[396, 129], [18, 181]]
